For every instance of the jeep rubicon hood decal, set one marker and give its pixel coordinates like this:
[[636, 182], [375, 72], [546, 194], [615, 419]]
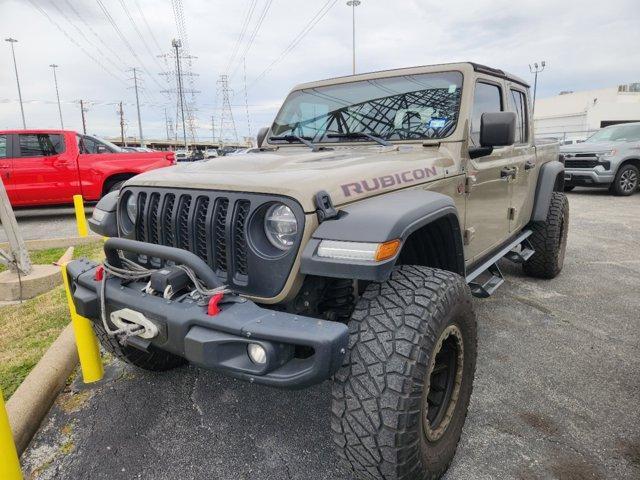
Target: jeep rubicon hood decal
[[348, 174]]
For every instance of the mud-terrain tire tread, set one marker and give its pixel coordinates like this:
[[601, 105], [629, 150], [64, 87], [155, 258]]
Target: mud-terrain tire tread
[[155, 360], [547, 238], [376, 395]]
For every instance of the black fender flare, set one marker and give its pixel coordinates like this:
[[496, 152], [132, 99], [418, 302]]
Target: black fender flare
[[376, 220], [546, 186]]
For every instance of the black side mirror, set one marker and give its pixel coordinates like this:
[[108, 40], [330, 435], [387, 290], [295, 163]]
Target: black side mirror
[[262, 133], [497, 129]]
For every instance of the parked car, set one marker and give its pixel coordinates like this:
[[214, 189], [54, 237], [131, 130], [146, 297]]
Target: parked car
[[350, 253], [181, 155], [48, 167], [211, 153], [609, 158], [196, 155], [138, 149]]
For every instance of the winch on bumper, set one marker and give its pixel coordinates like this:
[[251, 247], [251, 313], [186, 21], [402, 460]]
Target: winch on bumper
[[300, 351]]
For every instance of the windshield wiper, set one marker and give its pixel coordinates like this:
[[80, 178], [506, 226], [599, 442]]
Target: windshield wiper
[[379, 140], [296, 138]]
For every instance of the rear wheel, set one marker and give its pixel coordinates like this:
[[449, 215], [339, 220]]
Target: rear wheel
[[626, 180], [549, 240], [401, 398]]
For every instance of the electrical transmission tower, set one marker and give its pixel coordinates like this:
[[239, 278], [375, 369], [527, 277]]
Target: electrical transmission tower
[[185, 96], [227, 130]]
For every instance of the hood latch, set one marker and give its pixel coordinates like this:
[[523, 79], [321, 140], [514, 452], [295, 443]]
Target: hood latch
[[324, 206]]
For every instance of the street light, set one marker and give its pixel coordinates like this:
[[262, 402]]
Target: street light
[[353, 4], [15, 67], [536, 69], [55, 81]]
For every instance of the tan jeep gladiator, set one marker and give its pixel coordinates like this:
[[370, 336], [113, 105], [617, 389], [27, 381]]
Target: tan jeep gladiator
[[347, 248]]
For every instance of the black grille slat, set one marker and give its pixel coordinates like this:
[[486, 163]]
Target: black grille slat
[[167, 220], [182, 222], [154, 203], [200, 228], [240, 238], [141, 233], [219, 234], [570, 163]]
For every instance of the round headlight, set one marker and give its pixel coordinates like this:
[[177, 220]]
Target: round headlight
[[281, 226], [132, 207]]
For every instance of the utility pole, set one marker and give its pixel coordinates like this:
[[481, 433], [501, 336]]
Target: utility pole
[[84, 122], [166, 123], [15, 67], [121, 113], [55, 81], [135, 86], [353, 4], [536, 69], [176, 43], [213, 128]]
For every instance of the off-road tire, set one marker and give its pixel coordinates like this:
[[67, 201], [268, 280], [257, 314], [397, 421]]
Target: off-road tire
[[549, 240], [115, 187], [379, 395], [626, 181], [568, 188], [155, 360]]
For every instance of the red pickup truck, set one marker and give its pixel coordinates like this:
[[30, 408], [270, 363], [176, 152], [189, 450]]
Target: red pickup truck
[[48, 167]]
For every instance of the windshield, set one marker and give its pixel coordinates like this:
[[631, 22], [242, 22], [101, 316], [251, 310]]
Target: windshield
[[111, 146], [617, 133], [410, 107]]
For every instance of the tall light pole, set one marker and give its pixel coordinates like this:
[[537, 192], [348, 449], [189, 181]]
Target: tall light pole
[[55, 81], [177, 44], [353, 4], [536, 69], [15, 67]]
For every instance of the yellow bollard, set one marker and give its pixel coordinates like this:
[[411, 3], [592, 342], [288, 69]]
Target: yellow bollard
[[86, 340], [9, 463], [81, 219]]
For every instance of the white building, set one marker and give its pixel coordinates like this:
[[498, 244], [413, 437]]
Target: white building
[[575, 115]]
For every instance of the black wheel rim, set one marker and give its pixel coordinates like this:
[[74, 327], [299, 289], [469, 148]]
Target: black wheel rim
[[628, 180], [444, 381]]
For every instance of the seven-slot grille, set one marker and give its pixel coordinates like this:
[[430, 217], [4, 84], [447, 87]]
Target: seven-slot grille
[[213, 227]]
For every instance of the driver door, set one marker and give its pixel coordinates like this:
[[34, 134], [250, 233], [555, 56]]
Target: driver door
[[488, 192]]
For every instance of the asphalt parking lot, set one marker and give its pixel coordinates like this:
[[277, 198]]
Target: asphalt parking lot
[[556, 391], [49, 222]]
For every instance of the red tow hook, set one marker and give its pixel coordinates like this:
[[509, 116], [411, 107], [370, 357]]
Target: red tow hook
[[99, 275], [213, 309]]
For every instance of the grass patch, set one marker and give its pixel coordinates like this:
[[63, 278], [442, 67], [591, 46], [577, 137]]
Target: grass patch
[[28, 329]]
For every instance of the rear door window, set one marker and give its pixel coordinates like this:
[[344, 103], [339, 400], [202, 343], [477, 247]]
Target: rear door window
[[40, 144], [487, 99], [518, 104], [3, 146]]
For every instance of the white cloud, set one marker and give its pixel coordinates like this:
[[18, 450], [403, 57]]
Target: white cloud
[[587, 44]]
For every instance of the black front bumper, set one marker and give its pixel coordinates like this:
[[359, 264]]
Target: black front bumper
[[301, 351]]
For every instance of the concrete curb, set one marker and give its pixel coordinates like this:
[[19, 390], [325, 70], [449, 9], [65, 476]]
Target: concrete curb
[[33, 398], [41, 244]]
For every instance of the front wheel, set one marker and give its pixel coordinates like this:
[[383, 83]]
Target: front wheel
[[626, 180], [400, 401]]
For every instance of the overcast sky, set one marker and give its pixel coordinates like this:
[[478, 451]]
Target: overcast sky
[[586, 44]]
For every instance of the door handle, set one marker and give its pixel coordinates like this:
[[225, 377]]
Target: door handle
[[528, 165], [508, 172]]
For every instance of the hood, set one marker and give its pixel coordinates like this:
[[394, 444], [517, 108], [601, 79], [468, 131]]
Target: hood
[[591, 147], [346, 173]]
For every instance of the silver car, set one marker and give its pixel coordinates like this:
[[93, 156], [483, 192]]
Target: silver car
[[609, 158]]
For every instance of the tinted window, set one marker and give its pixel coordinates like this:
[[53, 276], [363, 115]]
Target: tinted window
[[40, 145], [518, 104], [87, 145], [3, 146], [408, 107], [487, 99]]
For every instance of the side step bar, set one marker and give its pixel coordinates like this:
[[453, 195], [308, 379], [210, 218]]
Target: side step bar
[[487, 277]]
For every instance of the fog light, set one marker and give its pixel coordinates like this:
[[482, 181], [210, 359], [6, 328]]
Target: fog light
[[257, 353]]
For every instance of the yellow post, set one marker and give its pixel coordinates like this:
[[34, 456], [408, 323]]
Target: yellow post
[[81, 219], [86, 341], [9, 463]]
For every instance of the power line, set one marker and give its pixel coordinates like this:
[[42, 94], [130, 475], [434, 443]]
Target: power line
[[243, 30], [144, 19], [75, 42], [135, 27], [319, 15], [254, 34]]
